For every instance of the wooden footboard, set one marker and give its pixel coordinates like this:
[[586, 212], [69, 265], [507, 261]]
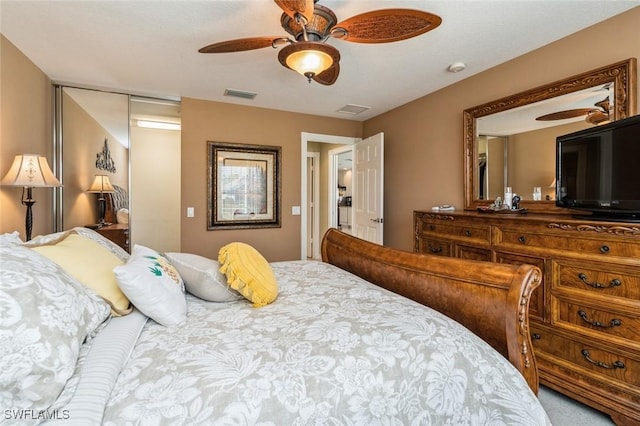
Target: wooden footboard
[[490, 299]]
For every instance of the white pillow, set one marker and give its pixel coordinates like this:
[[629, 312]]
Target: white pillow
[[202, 277], [153, 285], [122, 216]]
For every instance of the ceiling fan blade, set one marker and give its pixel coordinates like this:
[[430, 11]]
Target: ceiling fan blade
[[597, 117], [328, 76], [561, 115], [291, 7], [386, 25], [604, 104], [239, 45]]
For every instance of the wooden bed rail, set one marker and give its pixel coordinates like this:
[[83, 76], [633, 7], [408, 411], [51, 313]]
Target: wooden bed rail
[[490, 299]]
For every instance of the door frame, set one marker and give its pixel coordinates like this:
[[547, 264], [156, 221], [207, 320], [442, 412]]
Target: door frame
[[305, 138]]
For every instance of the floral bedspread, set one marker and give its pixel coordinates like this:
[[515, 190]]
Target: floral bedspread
[[332, 349]]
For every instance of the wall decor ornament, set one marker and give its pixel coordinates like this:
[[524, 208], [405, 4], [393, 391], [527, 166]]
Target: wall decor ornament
[[243, 186], [104, 160]]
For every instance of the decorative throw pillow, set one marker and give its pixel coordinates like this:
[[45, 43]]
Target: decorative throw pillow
[[249, 273], [202, 277], [153, 285], [45, 317], [91, 264]]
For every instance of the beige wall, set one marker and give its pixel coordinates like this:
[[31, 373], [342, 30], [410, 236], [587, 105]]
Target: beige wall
[[204, 121], [25, 128], [423, 139]]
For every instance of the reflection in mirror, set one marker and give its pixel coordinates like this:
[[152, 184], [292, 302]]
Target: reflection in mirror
[[511, 141], [492, 167], [92, 140]]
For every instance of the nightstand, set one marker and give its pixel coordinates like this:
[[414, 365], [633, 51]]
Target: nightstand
[[118, 233]]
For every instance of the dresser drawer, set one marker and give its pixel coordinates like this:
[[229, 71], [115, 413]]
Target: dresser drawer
[[434, 246], [570, 242], [589, 360], [618, 327], [606, 280], [470, 233], [472, 253]]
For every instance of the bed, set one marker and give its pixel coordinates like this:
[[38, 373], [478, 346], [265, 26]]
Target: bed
[[336, 346]]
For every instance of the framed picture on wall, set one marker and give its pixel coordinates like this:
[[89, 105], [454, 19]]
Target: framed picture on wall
[[244, 187]]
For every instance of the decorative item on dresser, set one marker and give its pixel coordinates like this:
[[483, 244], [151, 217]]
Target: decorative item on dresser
[[585, 317]]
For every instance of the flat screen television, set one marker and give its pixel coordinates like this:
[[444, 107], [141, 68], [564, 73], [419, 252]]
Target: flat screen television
[[598, 170]]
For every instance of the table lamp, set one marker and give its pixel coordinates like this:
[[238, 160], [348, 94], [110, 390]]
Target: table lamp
[[100, 185], [30, 171]]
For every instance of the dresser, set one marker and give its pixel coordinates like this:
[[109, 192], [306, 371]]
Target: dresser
[[585, 317]]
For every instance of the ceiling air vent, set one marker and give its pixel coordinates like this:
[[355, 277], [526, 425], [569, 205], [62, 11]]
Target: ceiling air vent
[[353, 109], [243, 94]]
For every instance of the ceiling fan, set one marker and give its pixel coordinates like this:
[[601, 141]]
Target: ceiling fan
[[593, 115], [311, 25]]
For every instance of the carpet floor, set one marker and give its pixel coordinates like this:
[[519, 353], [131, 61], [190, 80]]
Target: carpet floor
[[564, 411]]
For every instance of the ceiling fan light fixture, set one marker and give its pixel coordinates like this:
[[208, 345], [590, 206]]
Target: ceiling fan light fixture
[[309, 58]]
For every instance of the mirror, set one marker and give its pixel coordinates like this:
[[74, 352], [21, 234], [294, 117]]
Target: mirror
[[506, 145], [92, 139]]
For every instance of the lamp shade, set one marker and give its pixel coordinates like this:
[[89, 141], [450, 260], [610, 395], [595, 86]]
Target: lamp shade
[[101, 183], [309, 58], [30, 171]]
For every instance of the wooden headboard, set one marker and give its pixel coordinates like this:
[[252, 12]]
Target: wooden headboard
[[492, 300]]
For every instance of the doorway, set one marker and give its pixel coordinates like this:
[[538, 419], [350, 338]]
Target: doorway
[[310, 243]]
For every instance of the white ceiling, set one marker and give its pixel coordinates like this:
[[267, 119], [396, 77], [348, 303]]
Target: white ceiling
[[151, 47]]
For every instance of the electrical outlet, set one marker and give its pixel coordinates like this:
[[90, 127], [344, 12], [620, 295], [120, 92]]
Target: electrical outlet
[[295, 210]]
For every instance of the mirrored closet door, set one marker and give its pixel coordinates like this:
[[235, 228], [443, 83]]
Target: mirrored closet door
[[118, 158]]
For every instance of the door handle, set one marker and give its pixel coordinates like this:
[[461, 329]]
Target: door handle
[[377, 220]]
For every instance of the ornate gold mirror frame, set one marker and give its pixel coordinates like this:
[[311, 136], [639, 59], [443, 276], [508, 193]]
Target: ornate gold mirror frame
[[621, 74]]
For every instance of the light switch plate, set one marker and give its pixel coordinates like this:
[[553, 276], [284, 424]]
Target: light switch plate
[[295, 210], [191, 212]]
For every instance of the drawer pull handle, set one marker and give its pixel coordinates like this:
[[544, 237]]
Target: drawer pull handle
[[613, 323], [433, 249], [613, 283], [432, 227], [467, 233], [616, 364], [604, 249], [536, 336], [522, 239]]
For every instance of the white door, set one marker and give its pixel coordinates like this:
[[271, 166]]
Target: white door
[[368, 200]]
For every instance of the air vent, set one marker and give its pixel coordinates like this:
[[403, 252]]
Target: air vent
[[353, 109], [243, 94]]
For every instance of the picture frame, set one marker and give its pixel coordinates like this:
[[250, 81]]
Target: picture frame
[[244, 186]]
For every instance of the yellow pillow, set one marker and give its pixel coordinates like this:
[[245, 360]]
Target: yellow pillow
[[248, 273], [92, 265]]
